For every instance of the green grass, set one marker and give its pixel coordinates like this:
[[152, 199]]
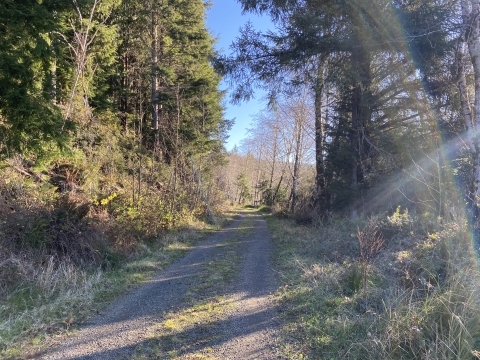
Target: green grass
[[45, 305], [420, 299]]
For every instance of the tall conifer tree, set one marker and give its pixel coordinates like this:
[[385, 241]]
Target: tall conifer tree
[[29, 118]]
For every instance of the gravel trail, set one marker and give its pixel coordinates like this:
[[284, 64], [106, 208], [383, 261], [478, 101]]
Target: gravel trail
[[250, 328]]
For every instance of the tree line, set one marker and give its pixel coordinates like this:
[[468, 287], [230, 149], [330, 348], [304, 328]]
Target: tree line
[[359, 92], [102, 95]]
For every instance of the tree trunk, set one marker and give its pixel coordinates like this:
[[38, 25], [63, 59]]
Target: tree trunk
[[83, 40], [319, 200], [257, 182], [464, 98], [471, 22], [278, 188], [361, 112], [124, 110], [54, 73], [274, 157], [294, 185], [154, 69], [296, 165]]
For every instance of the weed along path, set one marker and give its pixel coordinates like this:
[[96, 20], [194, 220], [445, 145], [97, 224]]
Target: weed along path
[[214, 303]]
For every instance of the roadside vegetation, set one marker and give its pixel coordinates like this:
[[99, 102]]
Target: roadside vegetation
[[44, 298], [64, 255], [414, 297]]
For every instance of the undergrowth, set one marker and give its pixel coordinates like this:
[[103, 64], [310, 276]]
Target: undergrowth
[[59, 296], [79, 229], [415, 298]]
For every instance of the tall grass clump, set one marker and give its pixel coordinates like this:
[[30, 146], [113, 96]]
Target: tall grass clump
[[47, 300], [383, 288]]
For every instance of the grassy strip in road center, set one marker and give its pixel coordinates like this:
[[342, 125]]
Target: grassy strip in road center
[[191, 330]]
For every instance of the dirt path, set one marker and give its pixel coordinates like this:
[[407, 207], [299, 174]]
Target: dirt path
[[212, 304], [252, 327]]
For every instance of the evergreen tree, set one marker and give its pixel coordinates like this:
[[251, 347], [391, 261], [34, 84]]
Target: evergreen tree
[[244, 192], [29, 119], [183, 101]]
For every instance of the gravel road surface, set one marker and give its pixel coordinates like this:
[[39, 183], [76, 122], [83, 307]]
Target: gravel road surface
[[251, 325]]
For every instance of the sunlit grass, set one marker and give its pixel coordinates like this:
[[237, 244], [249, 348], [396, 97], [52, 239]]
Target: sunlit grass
[[48, 303], [420, 301]]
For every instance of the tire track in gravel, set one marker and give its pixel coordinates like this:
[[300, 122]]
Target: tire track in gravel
[[253, 324], [248, 330]]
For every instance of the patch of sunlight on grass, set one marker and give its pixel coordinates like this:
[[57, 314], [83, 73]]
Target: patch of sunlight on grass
[[324, 340], [178, 246], [200, 314], [170, 325], [143, 265], [223, 244]]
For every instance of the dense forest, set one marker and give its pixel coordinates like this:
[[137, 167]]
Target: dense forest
[[113, 132], [111, 102]]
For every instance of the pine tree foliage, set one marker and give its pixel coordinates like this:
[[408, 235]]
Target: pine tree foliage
[[90, 77], [28, 118], [85, 56]]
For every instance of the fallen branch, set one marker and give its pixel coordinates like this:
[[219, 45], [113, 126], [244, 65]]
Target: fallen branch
[[26, 173]]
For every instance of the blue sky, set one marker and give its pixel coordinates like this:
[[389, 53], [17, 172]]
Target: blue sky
[[224, 20]]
